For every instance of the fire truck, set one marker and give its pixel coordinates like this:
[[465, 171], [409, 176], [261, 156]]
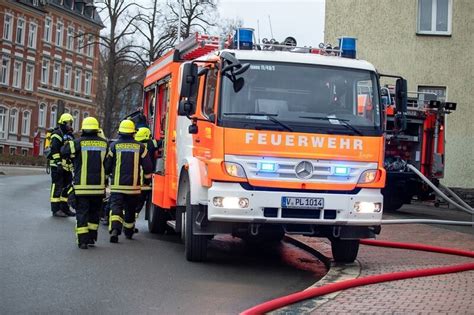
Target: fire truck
[[263, 140]]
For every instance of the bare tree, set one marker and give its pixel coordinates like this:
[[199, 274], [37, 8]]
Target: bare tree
[[229, 26]]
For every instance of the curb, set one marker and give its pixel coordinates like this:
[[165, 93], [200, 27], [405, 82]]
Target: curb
[[337, 273]]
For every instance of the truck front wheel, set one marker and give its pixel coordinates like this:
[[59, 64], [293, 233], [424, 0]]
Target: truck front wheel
[[344, 251], [195, 246]]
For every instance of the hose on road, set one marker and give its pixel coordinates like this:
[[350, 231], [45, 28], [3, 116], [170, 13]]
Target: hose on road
[[343, 285]]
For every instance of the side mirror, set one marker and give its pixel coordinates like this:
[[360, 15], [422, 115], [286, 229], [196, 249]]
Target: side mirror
[[189, 80], [186, 108], [401, 95]]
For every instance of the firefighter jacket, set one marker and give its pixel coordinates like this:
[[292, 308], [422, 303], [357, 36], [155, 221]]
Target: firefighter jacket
[[123, 162], [152, 146], [88, 156], [58, 139]]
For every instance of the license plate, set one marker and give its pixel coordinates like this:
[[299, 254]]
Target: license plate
[[302, 202]]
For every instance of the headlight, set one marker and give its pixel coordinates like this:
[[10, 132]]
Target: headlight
[[368, 176], [234, 169], [230, 202], [367, 207]]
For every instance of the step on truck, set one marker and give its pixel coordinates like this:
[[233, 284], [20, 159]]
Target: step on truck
[[263, 140]]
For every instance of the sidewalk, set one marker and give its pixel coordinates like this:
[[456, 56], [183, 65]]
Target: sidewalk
[[444, 294]]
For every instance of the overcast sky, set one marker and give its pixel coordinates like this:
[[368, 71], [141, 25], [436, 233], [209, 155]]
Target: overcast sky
[[301, 19]]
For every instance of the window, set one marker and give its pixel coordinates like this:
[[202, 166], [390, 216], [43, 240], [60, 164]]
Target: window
[[56, 74], [77, 81], [3, 122], [70, 38], [433, 93], [85, 115], [47, 29], [12, 150], [42, 115], [434, 17], [59, 34], [5, 72], [53, 119], [87, 83], [208, 103], [30, 75], [20, 31], [32, 35], [90, 46], [45, 71], [7, 27], [25, 126], [80, 43], [24, 152], [13, 123], [67, 77], [17, 73], [75, 115]]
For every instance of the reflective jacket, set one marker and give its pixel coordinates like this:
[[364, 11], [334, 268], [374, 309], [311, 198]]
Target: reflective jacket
[[58, 139], [123, 162], [152, 146], [88, 156]]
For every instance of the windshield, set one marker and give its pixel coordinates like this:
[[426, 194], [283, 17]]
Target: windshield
[[304, 98]]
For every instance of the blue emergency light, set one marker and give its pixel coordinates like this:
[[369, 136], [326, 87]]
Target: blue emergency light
[[243, 38], [347, 45], [267, 167], [341, 171]]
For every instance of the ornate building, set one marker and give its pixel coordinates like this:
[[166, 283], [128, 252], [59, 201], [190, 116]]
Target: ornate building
[[49, 63]]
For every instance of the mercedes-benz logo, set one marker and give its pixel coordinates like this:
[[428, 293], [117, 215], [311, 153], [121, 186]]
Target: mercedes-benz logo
[[304, 169]]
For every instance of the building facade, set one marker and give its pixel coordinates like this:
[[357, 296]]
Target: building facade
[[430, 43], [49, 65]]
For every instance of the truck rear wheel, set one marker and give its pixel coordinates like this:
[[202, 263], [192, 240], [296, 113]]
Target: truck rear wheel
[[195, 246], [344, 251], [156, 218]]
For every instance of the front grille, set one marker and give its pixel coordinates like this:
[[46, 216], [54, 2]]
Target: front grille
[[300, 213]]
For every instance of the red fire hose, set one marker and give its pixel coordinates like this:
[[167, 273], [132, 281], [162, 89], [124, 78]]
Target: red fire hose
[[343, 285]]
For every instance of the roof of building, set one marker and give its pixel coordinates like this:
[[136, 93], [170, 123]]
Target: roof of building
[[84, 9]]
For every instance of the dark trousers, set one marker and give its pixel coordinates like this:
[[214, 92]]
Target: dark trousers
[[59, 189], [122, 212], [145, 194], [87, 217]]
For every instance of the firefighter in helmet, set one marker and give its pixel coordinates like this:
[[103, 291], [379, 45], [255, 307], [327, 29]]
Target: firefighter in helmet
[[143, 135], [123, 162], [61, 168], [88, 155]]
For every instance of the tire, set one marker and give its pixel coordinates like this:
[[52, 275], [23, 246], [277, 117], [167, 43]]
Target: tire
[[195, 246], [392, 206], [344, 251], [156, 218]]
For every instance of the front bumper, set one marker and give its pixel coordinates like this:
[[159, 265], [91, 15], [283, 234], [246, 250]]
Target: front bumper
[[341, 206]]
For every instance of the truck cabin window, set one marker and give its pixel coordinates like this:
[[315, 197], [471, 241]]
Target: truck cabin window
[[303, 97]]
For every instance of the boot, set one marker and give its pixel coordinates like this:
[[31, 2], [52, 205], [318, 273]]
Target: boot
[[128, 233], [66, 210], [114, 236], [82, 246]]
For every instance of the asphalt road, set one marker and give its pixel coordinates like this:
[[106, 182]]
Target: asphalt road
[[43, 271]]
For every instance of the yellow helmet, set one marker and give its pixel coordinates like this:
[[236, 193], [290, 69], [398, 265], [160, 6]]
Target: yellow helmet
[[142, 134], [66, 117], [127, 126], [90, 124]]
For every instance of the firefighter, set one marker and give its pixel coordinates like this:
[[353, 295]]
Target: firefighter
[[143, 135], [88, 155], [124, 158], [61, 169]]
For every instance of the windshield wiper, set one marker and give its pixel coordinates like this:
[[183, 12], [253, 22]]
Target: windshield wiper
[[270, 117], [343, 121]]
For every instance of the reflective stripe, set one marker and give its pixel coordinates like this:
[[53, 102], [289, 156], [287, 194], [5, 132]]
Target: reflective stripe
[[82, 230], [53, 185], [55, 200], [84, 168], [145, 151], [70, 190], [125, 187], [89, 186], [128, 225], [56, 156], [92, 226], [145, 188], [72, 147], [118, 161], [63, 199], [102, 170], [127, 192], [89, 192], [136, 165], [155, 143], [56, 136]]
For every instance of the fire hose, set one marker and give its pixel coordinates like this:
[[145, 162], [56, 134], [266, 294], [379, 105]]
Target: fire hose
[[343, 285]]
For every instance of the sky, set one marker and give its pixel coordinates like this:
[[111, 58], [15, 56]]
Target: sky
[[301, 19]]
